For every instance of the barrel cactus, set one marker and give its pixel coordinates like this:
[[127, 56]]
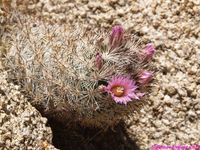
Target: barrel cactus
[[78, 75]]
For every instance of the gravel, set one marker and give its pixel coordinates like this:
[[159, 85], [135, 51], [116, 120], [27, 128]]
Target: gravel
[[172, 116], [21, 125]]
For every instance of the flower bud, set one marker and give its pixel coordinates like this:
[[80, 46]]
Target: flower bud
[[98, 61], [116, 36], [145, 77], [149, 51]]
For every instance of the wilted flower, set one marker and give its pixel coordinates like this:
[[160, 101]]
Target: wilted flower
[[98, 61], [145, 77], [116, 36], [149, 51], [122, 89]]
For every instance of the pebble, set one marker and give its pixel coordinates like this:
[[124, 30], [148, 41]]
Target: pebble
[[191, 113], [171, 90]]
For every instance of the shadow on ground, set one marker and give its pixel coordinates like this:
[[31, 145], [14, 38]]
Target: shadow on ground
[[79, 138]]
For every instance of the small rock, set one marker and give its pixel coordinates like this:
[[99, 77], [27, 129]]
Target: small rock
[[191, 113], [171, 90], [165, 121]]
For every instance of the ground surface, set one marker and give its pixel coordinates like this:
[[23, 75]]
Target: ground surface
[[21, 126], [172, 116]]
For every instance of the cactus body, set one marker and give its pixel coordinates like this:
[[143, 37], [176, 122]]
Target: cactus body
[[61, 70]]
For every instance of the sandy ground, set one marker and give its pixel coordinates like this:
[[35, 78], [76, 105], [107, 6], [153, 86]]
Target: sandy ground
[[172, 116]]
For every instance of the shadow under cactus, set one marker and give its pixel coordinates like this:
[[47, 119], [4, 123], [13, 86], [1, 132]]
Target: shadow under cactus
[[84, 138]]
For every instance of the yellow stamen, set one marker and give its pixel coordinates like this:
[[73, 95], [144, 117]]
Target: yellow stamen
[[118, 91]]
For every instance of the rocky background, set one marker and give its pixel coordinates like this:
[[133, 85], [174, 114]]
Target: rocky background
[[21, 125], [172, 116]]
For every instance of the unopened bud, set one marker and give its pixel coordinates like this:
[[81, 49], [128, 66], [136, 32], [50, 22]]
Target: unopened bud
[[116, 36]]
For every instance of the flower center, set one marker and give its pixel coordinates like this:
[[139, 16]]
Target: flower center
[[118, 91]]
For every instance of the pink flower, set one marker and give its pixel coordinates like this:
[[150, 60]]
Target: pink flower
[[149, 51], [116, 36], [122, 89], [145, 77], [98, 61]]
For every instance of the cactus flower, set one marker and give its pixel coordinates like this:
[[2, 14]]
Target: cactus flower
[[149, 51], [122, 89], [116, 36], [145, 77]]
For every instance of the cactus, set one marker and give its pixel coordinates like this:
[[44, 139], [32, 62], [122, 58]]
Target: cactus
[[68, 73]]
